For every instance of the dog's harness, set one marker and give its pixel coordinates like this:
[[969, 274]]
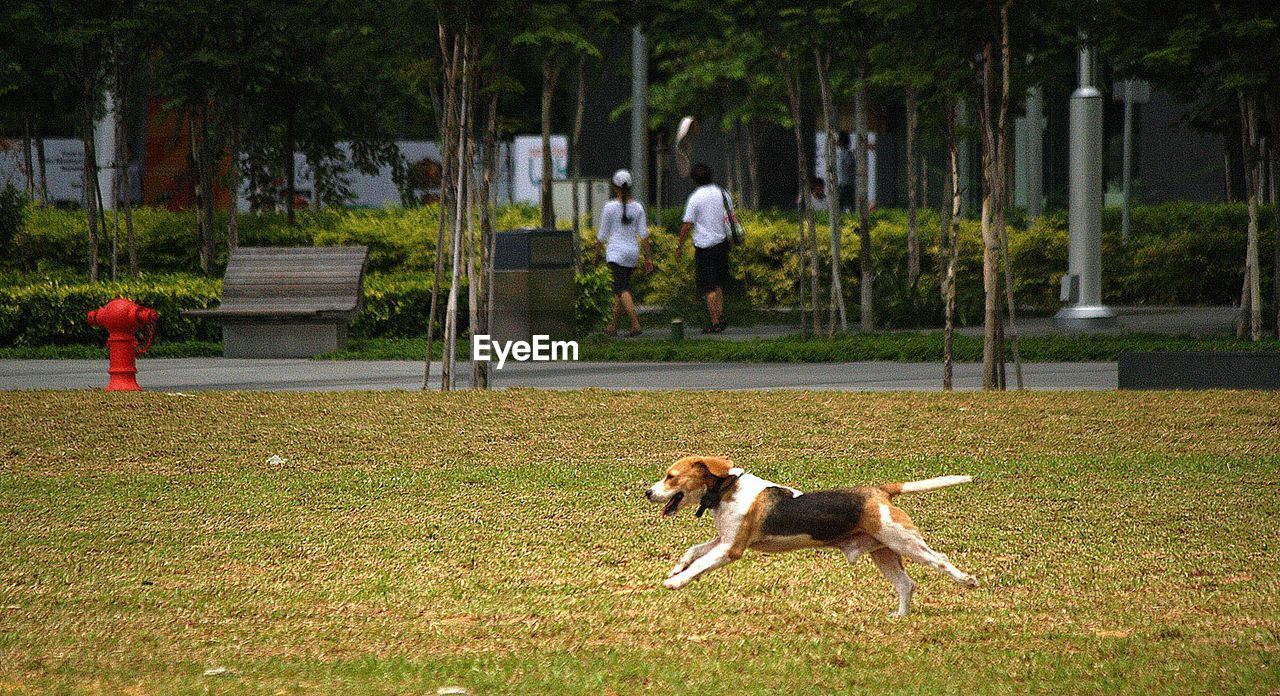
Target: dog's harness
[[711, 499]]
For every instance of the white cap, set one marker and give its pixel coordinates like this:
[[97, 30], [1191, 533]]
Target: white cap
[[621, 178]]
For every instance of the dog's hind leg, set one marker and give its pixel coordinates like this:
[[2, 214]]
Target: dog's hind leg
[[890, 564], [860, 544], [898, 533]]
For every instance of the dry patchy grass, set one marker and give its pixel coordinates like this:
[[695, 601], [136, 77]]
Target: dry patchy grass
[[1126, 542]]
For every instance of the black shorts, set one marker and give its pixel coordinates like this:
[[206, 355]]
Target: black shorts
[[621, 277], [711, 267]]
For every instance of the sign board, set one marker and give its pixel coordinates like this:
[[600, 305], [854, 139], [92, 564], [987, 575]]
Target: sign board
[[526, 165], [64, 165], [592, 195], [1138, 90], [820, 163]]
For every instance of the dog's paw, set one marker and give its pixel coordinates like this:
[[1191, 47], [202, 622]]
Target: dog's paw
[[674, 583], [969, 581], [676, 571]]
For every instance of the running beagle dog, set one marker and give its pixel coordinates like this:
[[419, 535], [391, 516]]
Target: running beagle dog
[[752, 513]]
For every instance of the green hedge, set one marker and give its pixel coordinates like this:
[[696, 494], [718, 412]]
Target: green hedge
[[1179, 253], [51, 311], [399, 239]]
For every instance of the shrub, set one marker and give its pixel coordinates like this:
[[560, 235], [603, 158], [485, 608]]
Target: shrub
[[52, 312], [593, 299], [1179, 253]]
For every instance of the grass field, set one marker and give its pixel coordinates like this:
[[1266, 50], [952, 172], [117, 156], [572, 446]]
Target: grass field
[[1126, 542]]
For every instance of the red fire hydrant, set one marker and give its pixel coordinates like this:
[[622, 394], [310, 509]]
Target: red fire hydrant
[[122, 318]]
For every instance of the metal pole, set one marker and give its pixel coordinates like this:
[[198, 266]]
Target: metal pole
[[1035, 153], [1082, 286], [1128, 159], [639, 115]]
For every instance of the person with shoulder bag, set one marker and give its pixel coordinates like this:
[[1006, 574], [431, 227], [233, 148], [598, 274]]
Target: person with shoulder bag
[[710, 217]]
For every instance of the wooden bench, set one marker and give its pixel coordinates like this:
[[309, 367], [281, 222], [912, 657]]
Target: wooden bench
[[288, 302]]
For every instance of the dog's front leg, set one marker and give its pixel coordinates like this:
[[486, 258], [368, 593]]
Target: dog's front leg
[[694, 553], [721, 554]]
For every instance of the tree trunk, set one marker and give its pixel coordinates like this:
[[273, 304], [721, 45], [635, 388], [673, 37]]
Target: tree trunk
[[40, 164], [550, 76], [753, 163], [290, 173], [1273, 111], [28, 165], [913, 232], [233, 207], [924, 180], [469, 251], [115, 192], [990, 240], [124, 161], [203, 169], [90, 185], [950, 244], [1002, 193], [480, 369], [730, 173], [836, 310], [462, 175], [449, 59], [808, 256], [862, 182], [575, 157], [1253, 188]]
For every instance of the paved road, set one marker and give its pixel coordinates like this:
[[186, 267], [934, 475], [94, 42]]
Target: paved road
[[197, 374], [1170, 321]]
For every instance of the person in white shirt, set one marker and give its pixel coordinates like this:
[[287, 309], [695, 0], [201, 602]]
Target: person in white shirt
[[706, 215], [623, 233]]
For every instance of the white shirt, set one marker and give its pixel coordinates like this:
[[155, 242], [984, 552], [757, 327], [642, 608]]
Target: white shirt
[[622, 239], [705, 210]]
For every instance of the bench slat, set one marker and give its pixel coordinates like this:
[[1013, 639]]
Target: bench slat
[[290, 288], [290, 282]]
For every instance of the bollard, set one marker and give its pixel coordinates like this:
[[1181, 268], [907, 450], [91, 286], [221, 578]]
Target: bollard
[[122, 318], [677, 329]]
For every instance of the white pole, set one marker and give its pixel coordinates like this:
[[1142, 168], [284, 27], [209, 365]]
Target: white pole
[[1082, 286], [1035, 153], [639, 115]]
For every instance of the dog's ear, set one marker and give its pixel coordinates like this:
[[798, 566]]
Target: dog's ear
[[717, 466]]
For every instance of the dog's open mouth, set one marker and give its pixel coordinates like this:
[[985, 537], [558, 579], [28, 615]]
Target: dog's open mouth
[[670, 508]]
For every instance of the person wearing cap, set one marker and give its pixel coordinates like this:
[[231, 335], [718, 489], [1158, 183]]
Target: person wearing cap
[[623, 233], [706, 215]]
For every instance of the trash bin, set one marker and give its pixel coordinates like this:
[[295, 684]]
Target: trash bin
[[533, 286]]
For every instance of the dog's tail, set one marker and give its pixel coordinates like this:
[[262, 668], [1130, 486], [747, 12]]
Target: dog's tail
[[933, 484]]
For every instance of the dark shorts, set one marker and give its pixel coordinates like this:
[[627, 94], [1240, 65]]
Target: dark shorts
[[711, 267], [621, 277]]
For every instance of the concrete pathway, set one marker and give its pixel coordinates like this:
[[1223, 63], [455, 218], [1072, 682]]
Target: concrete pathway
[[198, 374], [1169, 321]]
